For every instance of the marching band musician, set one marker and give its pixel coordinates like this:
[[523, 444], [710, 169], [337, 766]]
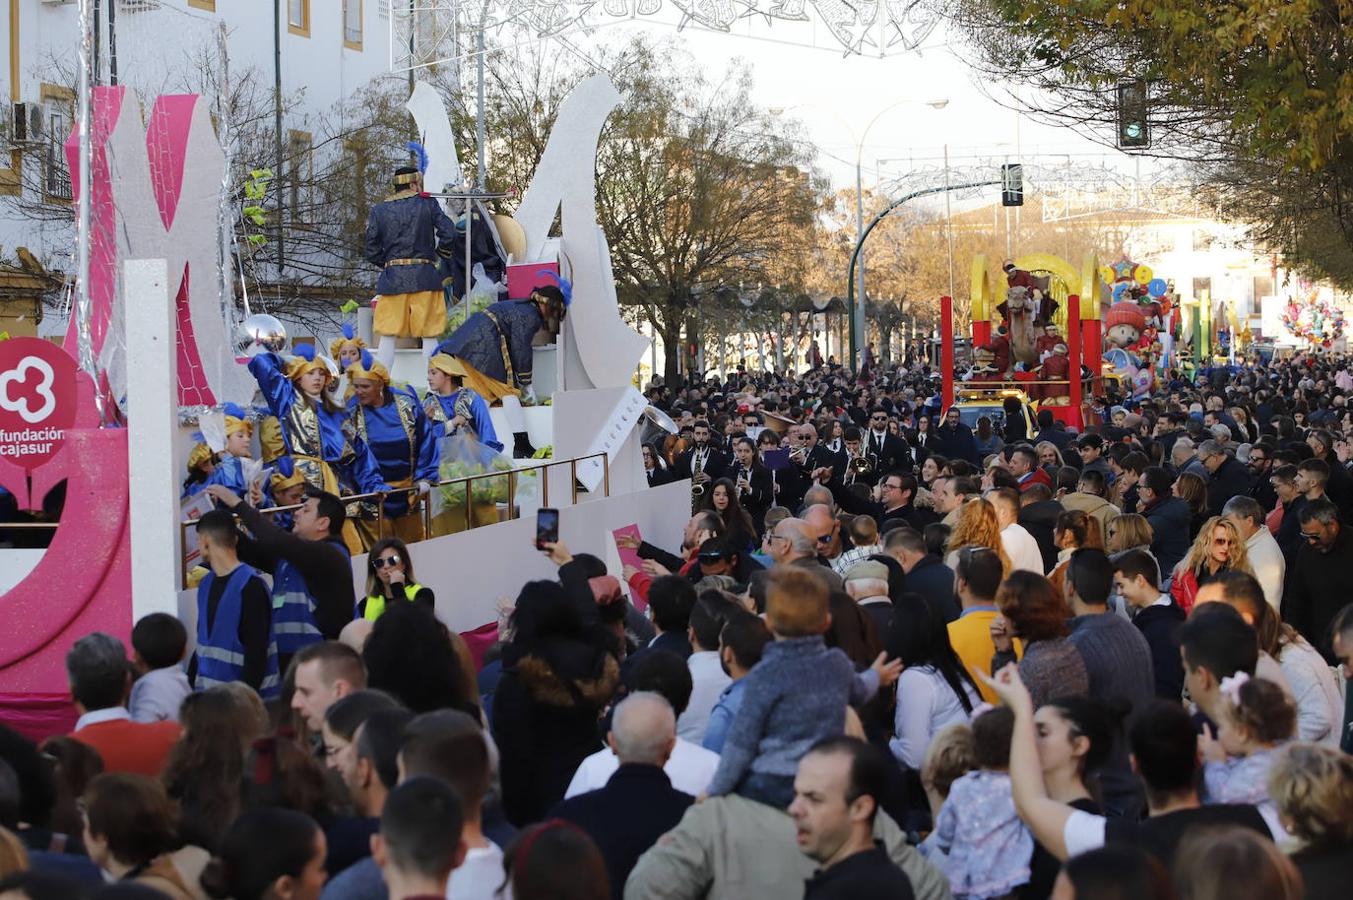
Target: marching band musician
[[891, 453], [837, 442], [819, 454], [655, 467], [752, 481], [392, 423], [855, 473], [703, 462], [780, 488]]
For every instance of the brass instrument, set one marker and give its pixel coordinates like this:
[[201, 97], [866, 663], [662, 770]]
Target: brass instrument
[[864, 465]]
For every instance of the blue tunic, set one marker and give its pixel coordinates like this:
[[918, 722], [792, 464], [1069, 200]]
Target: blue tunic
[[316, 437], [442, 409], [230, 472], [413, 227], [402, 440], [480, 340]]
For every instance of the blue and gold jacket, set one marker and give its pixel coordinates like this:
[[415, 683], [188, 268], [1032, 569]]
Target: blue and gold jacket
[[405, 236]]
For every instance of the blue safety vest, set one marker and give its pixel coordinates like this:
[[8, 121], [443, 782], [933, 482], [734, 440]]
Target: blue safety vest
[[293, 609], [220, 655]]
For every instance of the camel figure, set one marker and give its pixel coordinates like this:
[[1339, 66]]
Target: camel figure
[[1019, 316]]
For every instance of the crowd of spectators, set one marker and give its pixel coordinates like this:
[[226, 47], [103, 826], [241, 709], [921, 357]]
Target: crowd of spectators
[[990, 665]]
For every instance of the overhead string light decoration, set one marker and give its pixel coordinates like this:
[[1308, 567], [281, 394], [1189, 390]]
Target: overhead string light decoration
[[429, 32]]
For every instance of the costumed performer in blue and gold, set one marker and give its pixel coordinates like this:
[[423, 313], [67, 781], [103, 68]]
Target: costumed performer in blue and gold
[[391, 422], [288, 489], [239, 432], [453, 406], [495, 348], [404, 236], [345, 351], [201, 466], [320, 439]]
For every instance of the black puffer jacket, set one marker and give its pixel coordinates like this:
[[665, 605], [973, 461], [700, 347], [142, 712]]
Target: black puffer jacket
[[545, 714]]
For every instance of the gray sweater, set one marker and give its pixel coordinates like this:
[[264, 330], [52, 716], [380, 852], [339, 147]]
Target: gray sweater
[[795, 696], [1050, 669], [1118, 660]]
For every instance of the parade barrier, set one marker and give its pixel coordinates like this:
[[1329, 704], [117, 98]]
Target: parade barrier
[[513, 511]]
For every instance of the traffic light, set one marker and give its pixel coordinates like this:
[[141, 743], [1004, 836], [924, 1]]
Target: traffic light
[[1012, 184], [1134, 126]]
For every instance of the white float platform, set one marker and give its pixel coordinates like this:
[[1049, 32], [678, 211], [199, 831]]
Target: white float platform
[[469, 571]]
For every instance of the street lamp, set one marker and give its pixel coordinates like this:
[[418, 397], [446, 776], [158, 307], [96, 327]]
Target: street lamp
[[857, 326]]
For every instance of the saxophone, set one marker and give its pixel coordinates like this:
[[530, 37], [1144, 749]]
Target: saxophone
[[697, 468]]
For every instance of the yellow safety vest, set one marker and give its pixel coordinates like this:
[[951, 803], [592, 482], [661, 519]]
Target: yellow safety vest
[[375, 604]]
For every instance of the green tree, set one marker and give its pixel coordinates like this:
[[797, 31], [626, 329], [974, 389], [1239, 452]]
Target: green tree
[[1258, 94]]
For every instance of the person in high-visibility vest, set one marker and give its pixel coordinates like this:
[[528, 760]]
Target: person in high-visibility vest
[[389, 579], [234, 615]]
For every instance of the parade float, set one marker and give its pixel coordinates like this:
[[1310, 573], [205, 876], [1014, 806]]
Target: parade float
[[1038, 320], [1031, 331], [150, 375]]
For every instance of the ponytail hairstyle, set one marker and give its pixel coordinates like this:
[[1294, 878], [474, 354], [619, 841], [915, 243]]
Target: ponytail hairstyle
[[1259, 708], [1098, 721], [260, 847]]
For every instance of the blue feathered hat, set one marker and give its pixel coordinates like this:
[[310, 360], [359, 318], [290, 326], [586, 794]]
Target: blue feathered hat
[[236, 419], [304, 360], [403, 175], [349, 337], [565, 286], [420, 154]]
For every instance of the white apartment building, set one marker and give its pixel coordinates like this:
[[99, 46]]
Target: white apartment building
[[322, 50]]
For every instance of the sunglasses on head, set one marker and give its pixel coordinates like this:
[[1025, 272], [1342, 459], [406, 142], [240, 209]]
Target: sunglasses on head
[[711, 557], [384, 561]]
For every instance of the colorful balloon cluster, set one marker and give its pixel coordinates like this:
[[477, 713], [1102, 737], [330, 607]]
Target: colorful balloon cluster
[[1132, 281], [1317, 323]]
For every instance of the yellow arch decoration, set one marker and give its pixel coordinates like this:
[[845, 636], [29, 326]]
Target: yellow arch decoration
[[981, 292], [986, 288], [1092, 287]]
